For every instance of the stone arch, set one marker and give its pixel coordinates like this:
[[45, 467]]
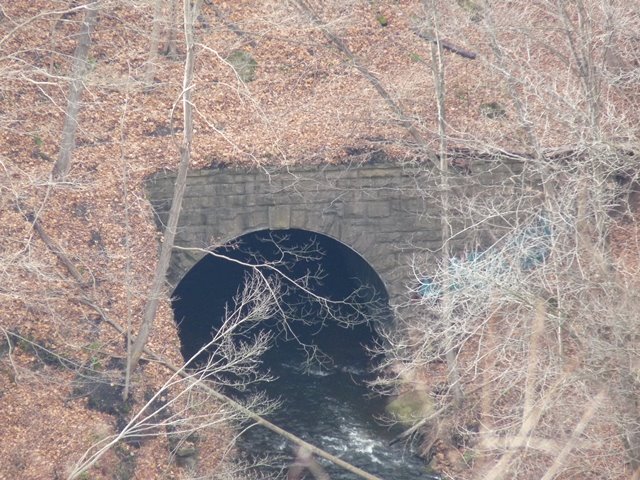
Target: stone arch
[[214, 281], [388, 213], [184, 260]]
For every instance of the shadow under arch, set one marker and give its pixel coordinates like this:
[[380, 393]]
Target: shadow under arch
[[328, 404], [337, 272]]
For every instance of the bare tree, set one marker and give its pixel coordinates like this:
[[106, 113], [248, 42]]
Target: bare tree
[[446, 227], [182, 406], [539, 309], [79, 69], [156, 29], [190, 400], [159, 279], [163, 33]]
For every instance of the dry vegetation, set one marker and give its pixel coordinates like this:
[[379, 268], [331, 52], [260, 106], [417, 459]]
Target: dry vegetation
[[544, 79]]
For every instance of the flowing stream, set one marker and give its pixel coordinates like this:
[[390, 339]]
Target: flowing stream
[[333, 409], [330, 407]]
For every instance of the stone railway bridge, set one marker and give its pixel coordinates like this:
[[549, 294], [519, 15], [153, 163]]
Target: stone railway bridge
[[385, 212]]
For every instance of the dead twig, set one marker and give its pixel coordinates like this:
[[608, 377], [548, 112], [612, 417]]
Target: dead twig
[[446, 45], [56, 250]]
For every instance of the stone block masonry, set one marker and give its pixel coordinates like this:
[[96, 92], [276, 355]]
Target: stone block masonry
[[387, 213]]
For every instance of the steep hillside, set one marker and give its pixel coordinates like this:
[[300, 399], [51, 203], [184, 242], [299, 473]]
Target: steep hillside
[[276, 83]]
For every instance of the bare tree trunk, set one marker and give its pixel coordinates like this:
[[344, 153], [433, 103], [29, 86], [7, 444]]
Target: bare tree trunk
[[629, 418], [157, 287], [531, 141], [127, 245], [79, 69], [487, 396], [171, 49], [589, 412], [154, 44], [592, 232], [446, 228], [532, 409]]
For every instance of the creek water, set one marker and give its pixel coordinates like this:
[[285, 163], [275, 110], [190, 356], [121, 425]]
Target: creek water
[[332, 408]]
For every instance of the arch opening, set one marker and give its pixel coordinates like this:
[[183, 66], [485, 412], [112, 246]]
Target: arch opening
[[351, 297], [324, 401]]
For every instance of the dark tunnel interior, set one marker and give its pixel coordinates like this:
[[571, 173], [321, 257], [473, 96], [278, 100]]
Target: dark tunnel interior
[[337, 273], [327, 403]]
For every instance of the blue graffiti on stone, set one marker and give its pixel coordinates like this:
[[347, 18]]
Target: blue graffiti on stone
[[524, 250]]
